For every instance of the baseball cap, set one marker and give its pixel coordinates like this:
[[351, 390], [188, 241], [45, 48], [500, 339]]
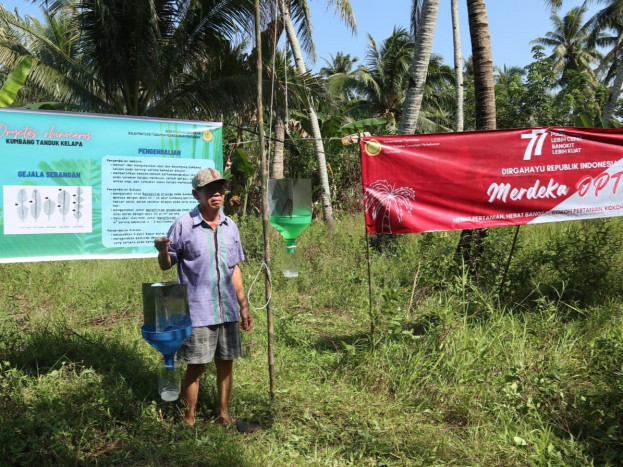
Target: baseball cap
[[206, 176]]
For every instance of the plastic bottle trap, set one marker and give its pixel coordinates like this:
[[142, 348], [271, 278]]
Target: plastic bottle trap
[[166, 326], [289, 211]]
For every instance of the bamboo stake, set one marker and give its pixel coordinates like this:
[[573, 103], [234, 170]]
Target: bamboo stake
[[372, 316], [265, 224], [365, 237], [415, 280], [508, 263]]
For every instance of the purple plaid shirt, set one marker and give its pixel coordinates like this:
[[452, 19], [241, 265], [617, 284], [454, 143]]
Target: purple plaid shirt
[[205, 263]]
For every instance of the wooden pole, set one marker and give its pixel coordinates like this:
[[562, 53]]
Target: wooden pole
[[508, 263], [366, 239], [265, 223], [372, 314]]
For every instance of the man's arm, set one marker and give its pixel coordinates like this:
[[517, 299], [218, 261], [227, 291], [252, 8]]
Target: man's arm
[[246, 320], [164, 259]]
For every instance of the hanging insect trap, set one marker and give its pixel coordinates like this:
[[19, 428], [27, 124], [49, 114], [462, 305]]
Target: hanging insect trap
[[289, 209]]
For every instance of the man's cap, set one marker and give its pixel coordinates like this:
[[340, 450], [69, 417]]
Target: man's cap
[[206, 176]]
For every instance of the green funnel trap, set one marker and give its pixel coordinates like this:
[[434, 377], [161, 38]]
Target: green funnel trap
[[289, 211]]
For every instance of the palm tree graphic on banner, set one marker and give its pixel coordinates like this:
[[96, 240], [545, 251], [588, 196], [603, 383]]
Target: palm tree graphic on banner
[[381, 195]]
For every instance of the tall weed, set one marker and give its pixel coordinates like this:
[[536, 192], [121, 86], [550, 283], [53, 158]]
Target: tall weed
[[575, 262]]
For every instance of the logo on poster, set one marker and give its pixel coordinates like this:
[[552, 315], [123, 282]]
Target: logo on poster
[[207, 136], [535, 146], [561, 143], [373, 147]]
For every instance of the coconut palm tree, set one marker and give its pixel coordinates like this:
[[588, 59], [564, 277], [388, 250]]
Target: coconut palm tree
[[52, 47], [341, 77], [339, 64], [141, 57], [482, 59], [511, 98], [458, 66], [553, 4], [297, 11], [504, 76], [286, 91], [471, 241], [573, 46], [438, 110], [507, 74], [384, 79], [424, 14], [610, 18]]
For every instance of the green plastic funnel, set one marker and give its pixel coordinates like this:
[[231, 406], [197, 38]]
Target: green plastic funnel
[[289, 211]]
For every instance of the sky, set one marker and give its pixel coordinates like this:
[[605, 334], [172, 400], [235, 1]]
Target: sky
[[513, 24]]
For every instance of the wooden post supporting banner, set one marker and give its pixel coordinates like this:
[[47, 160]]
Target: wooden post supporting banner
[[508, 263], [265, 223]]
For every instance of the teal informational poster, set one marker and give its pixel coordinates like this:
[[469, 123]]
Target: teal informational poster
[[87, 186]]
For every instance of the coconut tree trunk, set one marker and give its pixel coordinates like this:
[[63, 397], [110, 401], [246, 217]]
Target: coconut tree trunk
[[327, 209], [425, 32], [458, 65], [615, 91], [471, 242], [483, 64], [280, 133]]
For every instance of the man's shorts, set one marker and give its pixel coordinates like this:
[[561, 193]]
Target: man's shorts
[[206, 342]]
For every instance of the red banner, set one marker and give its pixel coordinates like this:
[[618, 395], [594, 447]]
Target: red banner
[[450, 181]]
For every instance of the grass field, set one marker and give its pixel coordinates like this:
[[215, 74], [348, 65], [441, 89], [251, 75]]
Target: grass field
[[438, 370]]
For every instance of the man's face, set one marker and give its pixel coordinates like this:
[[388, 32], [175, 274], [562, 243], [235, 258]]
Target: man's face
[[211, 196]]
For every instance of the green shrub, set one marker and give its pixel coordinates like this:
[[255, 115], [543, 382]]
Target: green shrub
[[573, 262]]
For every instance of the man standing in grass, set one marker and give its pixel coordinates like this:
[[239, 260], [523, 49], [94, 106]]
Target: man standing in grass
[[205, 245]]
